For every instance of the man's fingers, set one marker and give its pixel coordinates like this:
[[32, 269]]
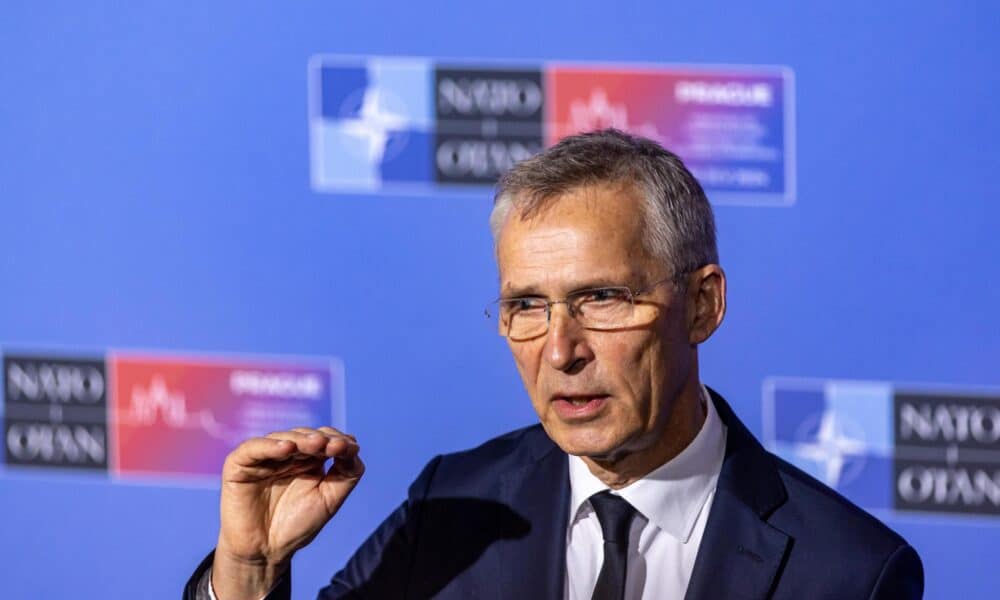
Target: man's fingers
[[349, 466], [312, 443], [300, 433], [325, 441], [332, 431], [294, 444], [342, 476], [304, 430], [257, 450], [342, 447]]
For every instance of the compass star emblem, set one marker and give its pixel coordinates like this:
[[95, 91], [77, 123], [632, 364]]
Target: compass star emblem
[[831, 447], [375, 123]]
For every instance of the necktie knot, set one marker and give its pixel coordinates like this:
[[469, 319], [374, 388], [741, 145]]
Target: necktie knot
[[615, 515]]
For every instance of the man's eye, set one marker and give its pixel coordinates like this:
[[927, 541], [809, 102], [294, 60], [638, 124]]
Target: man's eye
[[520, 305], [603, 296]]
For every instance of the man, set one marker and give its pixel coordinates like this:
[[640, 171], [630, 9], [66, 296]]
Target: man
[[638, 482]]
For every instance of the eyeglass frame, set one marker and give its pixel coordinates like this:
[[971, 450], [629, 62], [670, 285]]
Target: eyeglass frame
[[632, 295]]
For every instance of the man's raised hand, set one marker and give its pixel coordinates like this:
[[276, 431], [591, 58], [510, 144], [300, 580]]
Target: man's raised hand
[[276, 496]]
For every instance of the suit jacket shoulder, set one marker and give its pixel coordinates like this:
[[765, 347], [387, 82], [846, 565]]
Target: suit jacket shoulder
[[811, 504], [475, 472], [860, 551], [779, 533]]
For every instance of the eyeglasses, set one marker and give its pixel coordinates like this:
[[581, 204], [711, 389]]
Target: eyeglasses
[[603, 308]]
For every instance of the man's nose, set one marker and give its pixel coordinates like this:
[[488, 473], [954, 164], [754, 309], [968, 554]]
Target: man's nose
[[566, 346]]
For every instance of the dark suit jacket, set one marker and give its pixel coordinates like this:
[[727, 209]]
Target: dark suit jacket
[[491, 523]]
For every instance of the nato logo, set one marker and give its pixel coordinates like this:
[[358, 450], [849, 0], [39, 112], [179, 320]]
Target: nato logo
[[371, 122], [888, 447], [422, 126]]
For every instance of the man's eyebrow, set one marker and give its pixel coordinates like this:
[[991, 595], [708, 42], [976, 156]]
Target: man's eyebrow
[[600, 282], [520, 292], [588, 284]]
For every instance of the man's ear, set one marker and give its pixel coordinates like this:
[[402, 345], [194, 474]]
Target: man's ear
[[706, 302]]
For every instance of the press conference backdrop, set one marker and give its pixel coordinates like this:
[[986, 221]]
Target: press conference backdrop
[[222, 219]]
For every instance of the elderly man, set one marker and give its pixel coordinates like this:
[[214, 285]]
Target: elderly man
[[639, 482]]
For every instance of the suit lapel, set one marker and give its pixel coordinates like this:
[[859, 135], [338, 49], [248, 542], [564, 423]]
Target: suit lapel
[[740, 554], [534, 565]]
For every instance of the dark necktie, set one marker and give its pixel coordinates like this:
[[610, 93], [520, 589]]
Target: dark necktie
[[615, 515]]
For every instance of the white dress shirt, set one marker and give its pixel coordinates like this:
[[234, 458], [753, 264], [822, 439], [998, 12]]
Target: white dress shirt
[[672, 504]]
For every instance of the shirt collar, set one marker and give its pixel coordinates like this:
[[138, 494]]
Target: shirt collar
[[672, 495]]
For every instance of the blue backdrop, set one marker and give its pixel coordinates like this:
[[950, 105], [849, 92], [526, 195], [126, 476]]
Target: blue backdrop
[[155, 193]]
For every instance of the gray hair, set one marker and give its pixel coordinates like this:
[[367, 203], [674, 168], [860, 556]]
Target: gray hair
[[678, 223]]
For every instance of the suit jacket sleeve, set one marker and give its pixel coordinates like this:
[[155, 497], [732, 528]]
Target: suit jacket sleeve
[[199, 585], [382, 566], [902, 576]]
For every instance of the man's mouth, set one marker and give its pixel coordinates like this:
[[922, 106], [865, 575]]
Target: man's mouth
[[579, 406], [580, 400]]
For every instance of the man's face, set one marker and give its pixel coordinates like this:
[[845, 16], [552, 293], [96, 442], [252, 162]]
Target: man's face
[[599, 394]]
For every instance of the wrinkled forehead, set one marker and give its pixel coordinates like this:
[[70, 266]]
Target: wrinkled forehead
[[604, 203], [589, 235], [596, 195]]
